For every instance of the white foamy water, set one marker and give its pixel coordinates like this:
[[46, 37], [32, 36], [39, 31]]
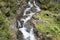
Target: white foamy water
[[28, 35], [25, 33], [37, 7], [27, 9], [28, 18], [32, 37]]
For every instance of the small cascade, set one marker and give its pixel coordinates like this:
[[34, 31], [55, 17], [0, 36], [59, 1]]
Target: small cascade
[[28, 35], [32, 37]]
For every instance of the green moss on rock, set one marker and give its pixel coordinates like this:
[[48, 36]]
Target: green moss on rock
[[49, 24]]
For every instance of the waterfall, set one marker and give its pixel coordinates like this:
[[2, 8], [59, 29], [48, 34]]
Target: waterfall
[[28, 35]]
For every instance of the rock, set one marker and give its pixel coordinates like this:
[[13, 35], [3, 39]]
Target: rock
[[19, 35], [7, 14]]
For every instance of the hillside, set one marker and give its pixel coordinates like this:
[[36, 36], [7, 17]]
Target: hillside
[[47, 22]]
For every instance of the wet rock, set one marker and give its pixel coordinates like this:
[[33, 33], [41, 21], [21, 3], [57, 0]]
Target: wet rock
[[43, 38], [19, 36], [47, 14], [7, 14], [28, 12], [33, 9]]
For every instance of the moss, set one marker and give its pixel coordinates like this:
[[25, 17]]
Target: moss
[[48, 24], [6, 7], [2, 3], [5, 10], [4, 28], [51, 5]]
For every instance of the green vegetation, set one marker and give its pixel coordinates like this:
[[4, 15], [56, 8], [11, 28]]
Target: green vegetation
[[50, 17], [50, 24], [4, 28], [7, 10], [8, 7], [51, 5]]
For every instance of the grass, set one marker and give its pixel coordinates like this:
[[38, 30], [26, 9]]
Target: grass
[[50, 25], [4, 28], [5, 31]]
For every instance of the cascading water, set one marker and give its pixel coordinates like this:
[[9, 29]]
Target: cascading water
[[28, 35]]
